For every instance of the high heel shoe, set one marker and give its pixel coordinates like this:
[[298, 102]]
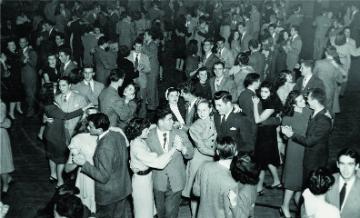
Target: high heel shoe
[[281, 212], [12, 116], [19, 110]]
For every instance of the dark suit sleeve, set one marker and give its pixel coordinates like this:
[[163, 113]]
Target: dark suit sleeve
[[101, 170], [298, 84], [246, 134], [321, 129], [57, 113]]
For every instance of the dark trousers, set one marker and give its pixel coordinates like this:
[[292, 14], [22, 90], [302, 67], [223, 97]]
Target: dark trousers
[[167, 203], [119, 209], [30, 94]]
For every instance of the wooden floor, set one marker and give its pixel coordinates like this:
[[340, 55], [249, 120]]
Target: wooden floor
[[31, 190]]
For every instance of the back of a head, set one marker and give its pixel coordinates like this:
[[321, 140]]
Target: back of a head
[[244, 169], [250, 79], [319, 95], [320, 181], [69, 205], [100, 120], [116, 74], [225, 147], [225, 96]]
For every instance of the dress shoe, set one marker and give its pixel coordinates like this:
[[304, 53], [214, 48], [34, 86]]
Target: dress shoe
[[261, 192], [281, 212], [278, 186], [12, 116]]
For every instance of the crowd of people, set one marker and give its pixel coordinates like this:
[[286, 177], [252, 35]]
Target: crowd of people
[[119, 144]]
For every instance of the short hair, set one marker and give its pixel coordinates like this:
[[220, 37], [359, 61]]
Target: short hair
[[65, 78], [225, 96], [254, 43], [349, 152], [308, 63], [282, 78], [226, 147], [320, 181], [219, 63], [192, 47], [171, 89], [220, 39], [135, 127], [69, 205], [138, 40], [250, 79], [318, 94], [124, 51], [242, 58], [288, 109], [269, 85], [116, 74], [203, 69], [66, 51], [187, 87], [244, 169], [161, 113], [241, 24], [208, 40], [102, 40], [100, 120]]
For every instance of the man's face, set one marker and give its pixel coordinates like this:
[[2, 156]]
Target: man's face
[[166, 123], [311, 101], [64, 86], [11, 46], [347, 33], [93, 130], [202, 76], [58, 40], [23, 43], [88, 74], [347, 166], [52, 61], [63, 57], [207, 46], [138, 47], [304, 70], [220, 44], [222, 107], [218, 70], [241, 29]]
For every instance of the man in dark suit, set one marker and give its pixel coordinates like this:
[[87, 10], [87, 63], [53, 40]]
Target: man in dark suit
[[110, 169], [170, 181], [245, 37], [256, 58], [221, 82], [29, 75], [67, 65], [229, 123], [308, 80], [89, 88], [345, 193], [119, 110], [105, 60], [187, 90], [209, 58], [354, 25], [316, 140]]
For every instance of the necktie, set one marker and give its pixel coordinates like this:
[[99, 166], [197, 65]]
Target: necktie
[[64, 98], [89, 86], [342, 194], [164, 139], [136, 64], [222, 119]]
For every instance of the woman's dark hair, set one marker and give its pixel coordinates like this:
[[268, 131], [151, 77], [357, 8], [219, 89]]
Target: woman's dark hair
[[281, 80], [320, 181], [192, 47], [102, 40], [69, 205], [231, 37], [340, 39], [242, 58], [281, 38], [135, 127], [124, 51], [171, 89], [244, 169], [225, 147], [267, 84], [47, 94], [290, 101], [100, 120]]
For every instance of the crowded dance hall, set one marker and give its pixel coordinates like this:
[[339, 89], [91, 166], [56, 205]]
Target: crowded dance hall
[[180, 109]]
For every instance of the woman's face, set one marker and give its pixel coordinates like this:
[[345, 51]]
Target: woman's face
[[289, 78], [173, 97], [11, 46], [203, 110], [236, 35], [202, 76], [300, 101], [265, 93], [144, 133], [129, 92], [52, 61], [286, 35]]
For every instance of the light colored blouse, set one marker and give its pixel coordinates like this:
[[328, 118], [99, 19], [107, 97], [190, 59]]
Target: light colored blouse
[[318, 208]]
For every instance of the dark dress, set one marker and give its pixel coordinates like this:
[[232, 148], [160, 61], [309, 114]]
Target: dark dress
[[266, 147], [128, 67], [56, 136], [203, 90], [292, 177], [14, 92], [53, 76]]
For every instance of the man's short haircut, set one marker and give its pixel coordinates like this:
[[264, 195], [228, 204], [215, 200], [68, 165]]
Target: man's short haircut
[[250, 79], [318, 94], [161, 113], [138, 40], [66, 51], [349, 152], [254, 43], [116, 74], [308, 63], [100, 120], [208, 40], [219, 63], [69, 206], [102, 40], [241, 24], [244, 169], [65, 78], [187, 87], [202, 69], [225, 96], [226, 147], [220, 39]]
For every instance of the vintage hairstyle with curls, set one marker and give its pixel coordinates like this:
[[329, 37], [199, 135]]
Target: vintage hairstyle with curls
[[225, 147], [135, 127], [244, 169], [290, 101], [320, 181]]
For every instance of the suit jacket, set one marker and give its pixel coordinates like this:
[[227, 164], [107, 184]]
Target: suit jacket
[[314, 82], [86, 91], [110, 170], [293, 53], [257, 61], [111, 104], [245, 201], [316, 142], [29, 74], [331, 77], [237, 126], [105, 61], [351, 206], [73, 102], [143, 61], [203, 134], [209, 62], [173, 175], [67, 71], [244, 44], [227, 57], [226, 84]]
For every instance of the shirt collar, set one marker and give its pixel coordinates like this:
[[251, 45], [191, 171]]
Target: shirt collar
[[103, 134], [67, 95], [192, 103], [67, 63], [91, 82], [227, 115], [159, 132]]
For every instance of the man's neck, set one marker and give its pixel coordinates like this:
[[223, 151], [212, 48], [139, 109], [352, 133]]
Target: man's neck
[[251, 88], [219, 77], [208, 53], [114, 85], [318, 109]]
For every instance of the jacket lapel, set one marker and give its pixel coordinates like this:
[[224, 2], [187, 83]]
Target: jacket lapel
[[154, 143]]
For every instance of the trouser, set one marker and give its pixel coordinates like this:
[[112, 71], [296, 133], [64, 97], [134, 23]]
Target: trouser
[[118, 209], [167, 203], [30, 92]]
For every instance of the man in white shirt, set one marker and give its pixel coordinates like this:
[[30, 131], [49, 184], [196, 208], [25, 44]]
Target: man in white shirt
[[308, 80], [345, 193]]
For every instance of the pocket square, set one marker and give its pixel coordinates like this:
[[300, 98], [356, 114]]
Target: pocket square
[[232, 128]]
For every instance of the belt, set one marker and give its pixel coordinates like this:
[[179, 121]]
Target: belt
[[145, 172]]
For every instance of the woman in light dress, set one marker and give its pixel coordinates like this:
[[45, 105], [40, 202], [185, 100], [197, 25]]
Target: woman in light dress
[[203, 134], [314, 196], [142, 160]]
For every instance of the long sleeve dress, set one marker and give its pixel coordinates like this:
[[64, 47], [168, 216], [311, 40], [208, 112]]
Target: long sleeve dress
[[6, 159], [142, 185]]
